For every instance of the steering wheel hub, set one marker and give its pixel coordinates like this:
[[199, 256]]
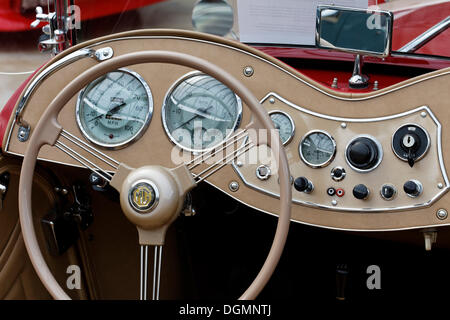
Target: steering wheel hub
[[150, 197], [143, 196]]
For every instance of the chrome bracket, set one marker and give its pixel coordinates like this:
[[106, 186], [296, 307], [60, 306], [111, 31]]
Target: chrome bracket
[[103, 54], [24, 133], [358, 80]]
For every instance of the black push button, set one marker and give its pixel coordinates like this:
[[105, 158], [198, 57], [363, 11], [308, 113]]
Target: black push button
[[361, 192], [412, 188]]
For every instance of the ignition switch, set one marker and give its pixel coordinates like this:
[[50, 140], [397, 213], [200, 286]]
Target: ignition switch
[[410, 143]]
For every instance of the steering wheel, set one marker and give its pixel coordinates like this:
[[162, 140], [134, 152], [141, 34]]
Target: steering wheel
[[151, 196]]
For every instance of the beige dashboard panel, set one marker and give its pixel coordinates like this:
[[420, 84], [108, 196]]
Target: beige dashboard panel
[[270, 76], [343, 131]]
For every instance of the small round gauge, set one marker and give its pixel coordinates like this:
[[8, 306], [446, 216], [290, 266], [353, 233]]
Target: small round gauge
[[115, 109], [284, 124], [317, 149], [199, 112]]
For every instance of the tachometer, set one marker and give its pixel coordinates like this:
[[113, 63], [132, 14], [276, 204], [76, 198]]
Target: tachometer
[[284, 124], [199, 112], [115, 109], [317, 149]]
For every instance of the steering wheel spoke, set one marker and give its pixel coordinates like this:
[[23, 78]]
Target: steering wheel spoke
[[157, 263]]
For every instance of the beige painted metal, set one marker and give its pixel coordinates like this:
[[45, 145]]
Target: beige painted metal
[[270, 75]]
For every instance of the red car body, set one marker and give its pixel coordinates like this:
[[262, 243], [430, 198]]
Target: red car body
[[14, 18]]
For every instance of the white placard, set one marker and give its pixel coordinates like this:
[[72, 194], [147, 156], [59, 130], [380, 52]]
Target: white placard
[[283, 21]]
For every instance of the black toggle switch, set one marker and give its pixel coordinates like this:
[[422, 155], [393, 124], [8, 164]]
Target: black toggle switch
[[413, 188], [302, 184], [388, 192], [361, 192]]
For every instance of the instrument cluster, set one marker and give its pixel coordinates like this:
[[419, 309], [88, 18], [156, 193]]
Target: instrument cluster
[[343, 164], [198, 113]]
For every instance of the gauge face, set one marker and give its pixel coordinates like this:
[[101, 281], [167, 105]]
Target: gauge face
[[115, 109], [284, 124], [199, 112], [317, 149]]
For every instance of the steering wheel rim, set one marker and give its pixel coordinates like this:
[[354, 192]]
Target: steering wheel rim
[[48, 130]]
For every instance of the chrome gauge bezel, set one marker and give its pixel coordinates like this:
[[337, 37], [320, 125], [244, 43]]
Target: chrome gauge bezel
[[428, 141], [292, 124], [320, 165], [163, 112], [138, 134]]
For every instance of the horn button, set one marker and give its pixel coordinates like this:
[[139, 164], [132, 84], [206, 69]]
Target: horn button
[[150, 197]]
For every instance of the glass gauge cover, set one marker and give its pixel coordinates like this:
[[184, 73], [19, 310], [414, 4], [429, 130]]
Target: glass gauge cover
[[199, 112], [317, 149], [284, 124], [115, 109]]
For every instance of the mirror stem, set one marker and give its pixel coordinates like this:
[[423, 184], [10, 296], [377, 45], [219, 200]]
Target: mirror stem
[[358, 80]]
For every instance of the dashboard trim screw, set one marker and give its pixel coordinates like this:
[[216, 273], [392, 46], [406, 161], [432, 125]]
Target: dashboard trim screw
[[248, 71], [233, 186], [442, 214]]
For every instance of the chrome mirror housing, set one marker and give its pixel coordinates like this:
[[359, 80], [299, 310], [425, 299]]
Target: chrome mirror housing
[[360, 31]]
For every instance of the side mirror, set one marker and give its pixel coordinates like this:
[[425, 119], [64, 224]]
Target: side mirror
[[213, 16], [366, 32], [359, 31]]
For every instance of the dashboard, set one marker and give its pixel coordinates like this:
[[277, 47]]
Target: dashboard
[[370, 162]]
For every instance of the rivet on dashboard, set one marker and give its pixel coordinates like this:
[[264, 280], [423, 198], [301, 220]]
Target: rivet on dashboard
[[442, 214], [239, 163], [248, 71], [423, 114], [440, 185], [343, 125], [334, 202], [272, 100], [234, 186]]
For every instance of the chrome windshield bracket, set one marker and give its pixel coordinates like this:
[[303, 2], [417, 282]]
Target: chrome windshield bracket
[[426, 37]]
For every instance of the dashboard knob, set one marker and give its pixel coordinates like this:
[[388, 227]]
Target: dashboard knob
[[361, 192], [362, 153], [302, 184], [413, 188], [388, 192]]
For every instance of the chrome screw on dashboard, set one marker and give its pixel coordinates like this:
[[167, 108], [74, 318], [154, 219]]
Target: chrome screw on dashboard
[[440, 185], [263, 172], [248, 71], [442, 214], [239, 163], [272, 100], [423, 114], [343, 125], [234, 186]]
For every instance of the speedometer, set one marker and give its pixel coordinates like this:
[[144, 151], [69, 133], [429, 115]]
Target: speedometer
[[115, 109], [199, 112]]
